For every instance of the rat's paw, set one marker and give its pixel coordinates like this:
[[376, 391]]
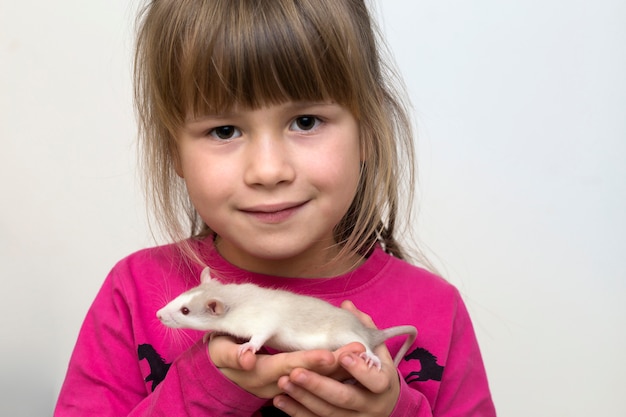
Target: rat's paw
[[371, 360], [247, 347]]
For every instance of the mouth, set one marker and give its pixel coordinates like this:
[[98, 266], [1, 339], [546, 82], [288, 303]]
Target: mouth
[[274, 213]]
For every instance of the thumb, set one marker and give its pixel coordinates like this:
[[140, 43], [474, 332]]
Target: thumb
[[363, 318], [224, 352]]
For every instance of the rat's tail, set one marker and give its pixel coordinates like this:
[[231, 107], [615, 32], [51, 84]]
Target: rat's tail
[[411, 333]]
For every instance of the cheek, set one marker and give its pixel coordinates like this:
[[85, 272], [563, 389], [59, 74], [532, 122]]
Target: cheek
[[337, 172], [205, 191], [344, 164], [206, 181]]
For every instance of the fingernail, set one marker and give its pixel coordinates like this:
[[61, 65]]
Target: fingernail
[[287, 387], [347, 360], [279, 403], [300, 378]]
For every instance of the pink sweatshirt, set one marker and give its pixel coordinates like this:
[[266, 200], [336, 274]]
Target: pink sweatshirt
[[125, 363]]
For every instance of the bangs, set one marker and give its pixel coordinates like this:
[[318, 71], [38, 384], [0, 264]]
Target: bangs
[[260, 53]]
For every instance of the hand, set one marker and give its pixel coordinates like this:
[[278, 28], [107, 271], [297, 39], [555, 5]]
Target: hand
[[375, 392], [259, 373]]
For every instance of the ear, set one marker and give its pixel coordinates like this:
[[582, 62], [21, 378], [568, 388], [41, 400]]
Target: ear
[[215, 307], [206, 275]]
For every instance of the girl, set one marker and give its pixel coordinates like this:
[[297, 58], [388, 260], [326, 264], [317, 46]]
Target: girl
[[271, 130]]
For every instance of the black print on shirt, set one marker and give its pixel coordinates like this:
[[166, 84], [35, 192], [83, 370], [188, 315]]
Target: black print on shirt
[[272, 412], [158, 367], [430, 368]]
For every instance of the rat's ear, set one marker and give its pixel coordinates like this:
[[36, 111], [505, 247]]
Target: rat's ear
[[206, 275], [215, 307]]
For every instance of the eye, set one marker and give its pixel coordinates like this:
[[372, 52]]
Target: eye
[[225, 132], [305, 123], [184, 311]]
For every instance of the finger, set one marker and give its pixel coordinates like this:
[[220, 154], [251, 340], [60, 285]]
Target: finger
[[310, 394], [269, 368], [291, 407], [363, 318], [320, 361], [354, 347], [372, 379], [340, 374], [323, 396], [224, 352]]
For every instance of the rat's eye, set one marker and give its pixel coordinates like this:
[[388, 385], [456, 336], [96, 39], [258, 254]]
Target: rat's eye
[[184, 311]]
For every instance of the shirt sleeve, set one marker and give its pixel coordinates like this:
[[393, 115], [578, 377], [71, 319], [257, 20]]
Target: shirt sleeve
[[191, 391], [104, 376], [411, 402], [464, 390]]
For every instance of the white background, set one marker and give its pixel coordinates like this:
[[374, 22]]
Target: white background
[[521, 113]]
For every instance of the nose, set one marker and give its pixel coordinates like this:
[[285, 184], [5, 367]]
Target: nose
[[269, 162]]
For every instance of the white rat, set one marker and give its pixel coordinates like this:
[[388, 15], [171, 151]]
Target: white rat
[[275, 318]]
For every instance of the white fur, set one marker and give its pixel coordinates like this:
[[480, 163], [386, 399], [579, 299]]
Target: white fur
[[275, 318]]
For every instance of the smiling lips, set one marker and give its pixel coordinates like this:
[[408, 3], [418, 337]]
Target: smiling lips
[[274, 213]]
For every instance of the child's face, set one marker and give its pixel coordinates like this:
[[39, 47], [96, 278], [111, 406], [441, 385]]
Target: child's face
[[272, 183]]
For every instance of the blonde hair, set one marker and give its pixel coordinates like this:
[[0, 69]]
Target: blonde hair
[[199, 56]]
